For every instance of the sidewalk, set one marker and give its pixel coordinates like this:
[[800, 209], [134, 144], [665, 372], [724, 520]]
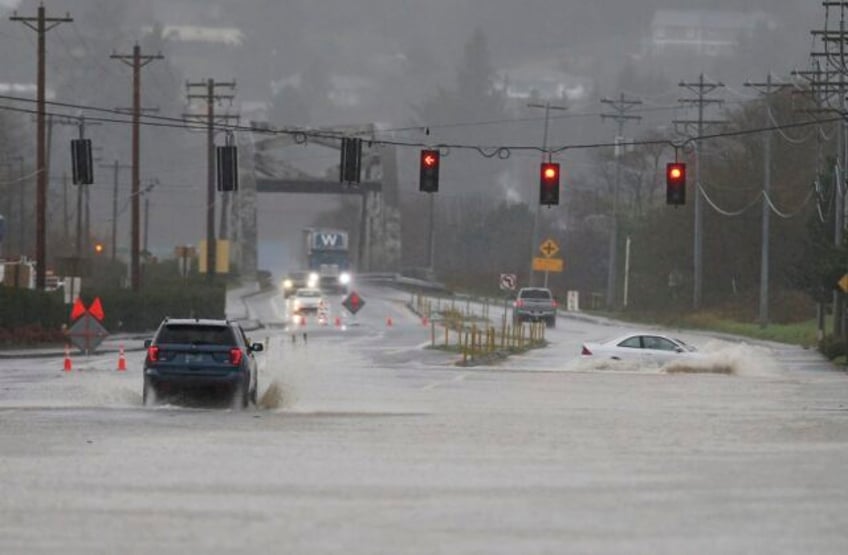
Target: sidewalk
[[112, 344]]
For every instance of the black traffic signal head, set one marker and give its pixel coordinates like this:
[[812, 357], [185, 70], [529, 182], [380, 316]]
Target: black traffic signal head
[[549, 184], [429, 180], [350, 165], [227, 163], [675, 184], [81, 162]]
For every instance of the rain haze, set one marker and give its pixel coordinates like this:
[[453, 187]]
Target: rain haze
[[398, 276]]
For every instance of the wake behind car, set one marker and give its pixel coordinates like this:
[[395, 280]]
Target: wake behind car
[[196, 354], [644, 347]]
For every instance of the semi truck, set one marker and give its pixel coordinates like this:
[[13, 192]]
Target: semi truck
[[326, 255]]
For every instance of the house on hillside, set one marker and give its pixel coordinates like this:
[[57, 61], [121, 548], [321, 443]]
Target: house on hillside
[[704, 33], [544, 81]]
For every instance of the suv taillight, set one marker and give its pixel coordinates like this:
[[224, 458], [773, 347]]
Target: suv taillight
[[235, 356], [153, 353], [586, 352], [519, 303], [554, 303]]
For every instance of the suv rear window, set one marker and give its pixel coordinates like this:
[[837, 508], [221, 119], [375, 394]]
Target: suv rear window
[[196, 334], [535, 294]]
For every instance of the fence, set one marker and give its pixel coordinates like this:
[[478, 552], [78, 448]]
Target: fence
[[467, 326]]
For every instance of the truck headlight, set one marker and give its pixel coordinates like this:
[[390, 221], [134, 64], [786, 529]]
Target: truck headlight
[[288, 284], [344, 278], [313, 280]]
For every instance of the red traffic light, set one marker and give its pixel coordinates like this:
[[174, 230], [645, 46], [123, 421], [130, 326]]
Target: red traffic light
[[549, 183], [429, 160], [429, 171], [675, 182], [676, 172]]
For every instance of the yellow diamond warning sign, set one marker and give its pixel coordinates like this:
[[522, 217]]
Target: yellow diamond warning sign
[[549, 248]]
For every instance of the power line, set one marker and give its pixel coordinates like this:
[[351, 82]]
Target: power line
[[503, 152]]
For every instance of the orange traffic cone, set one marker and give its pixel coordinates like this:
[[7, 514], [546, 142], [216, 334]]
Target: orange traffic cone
[[338, 322], [389, 322], [68, 365], [122, 360]]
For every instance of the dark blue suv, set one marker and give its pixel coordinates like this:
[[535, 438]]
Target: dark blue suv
[[190, 354]]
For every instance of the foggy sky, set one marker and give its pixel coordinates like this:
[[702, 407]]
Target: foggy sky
[[353, 37]]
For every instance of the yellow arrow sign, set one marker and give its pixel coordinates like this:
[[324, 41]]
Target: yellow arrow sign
[[549, 248], [548, 264]]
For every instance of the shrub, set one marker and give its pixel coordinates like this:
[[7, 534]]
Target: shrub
[[832, 347]]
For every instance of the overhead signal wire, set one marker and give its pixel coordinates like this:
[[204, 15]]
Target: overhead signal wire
[[302, 136]]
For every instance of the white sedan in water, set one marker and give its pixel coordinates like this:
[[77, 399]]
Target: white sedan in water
[[647, 347]]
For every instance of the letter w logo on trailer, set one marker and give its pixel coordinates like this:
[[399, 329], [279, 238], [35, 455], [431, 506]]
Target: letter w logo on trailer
[[329, 239]]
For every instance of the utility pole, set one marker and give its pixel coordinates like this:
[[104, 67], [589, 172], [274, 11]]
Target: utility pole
[[66, 228], [766, 88], [211, 97], [116, 168], [829, 88], [21, 206], [621, 108], [546, 156], [79, 224], [701, 88], [41, 24], [80, 123], [137, 61]]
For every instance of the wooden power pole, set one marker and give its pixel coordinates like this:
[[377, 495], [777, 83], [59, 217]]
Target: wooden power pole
[[137, 61], [211, 97], [41, 24]]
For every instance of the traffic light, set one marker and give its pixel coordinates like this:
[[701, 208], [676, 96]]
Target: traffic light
[[81, 162], [350, 165], [99, 248], [675, 184], [549, 184], [429, 181]]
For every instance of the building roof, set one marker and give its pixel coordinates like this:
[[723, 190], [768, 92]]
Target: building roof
[[230, 36]]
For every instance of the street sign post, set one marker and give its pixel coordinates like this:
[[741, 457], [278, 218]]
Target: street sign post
[[353, 302], [87, 333], [549, 248], [508, 282]]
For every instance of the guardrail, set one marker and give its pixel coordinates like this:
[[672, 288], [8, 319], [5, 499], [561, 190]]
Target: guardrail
[[397, 279]]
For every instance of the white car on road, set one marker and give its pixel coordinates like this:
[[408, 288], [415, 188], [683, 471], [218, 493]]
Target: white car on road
[[307, 300], [646, 347]]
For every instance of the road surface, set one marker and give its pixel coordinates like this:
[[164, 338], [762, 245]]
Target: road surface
[[365, 442]]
